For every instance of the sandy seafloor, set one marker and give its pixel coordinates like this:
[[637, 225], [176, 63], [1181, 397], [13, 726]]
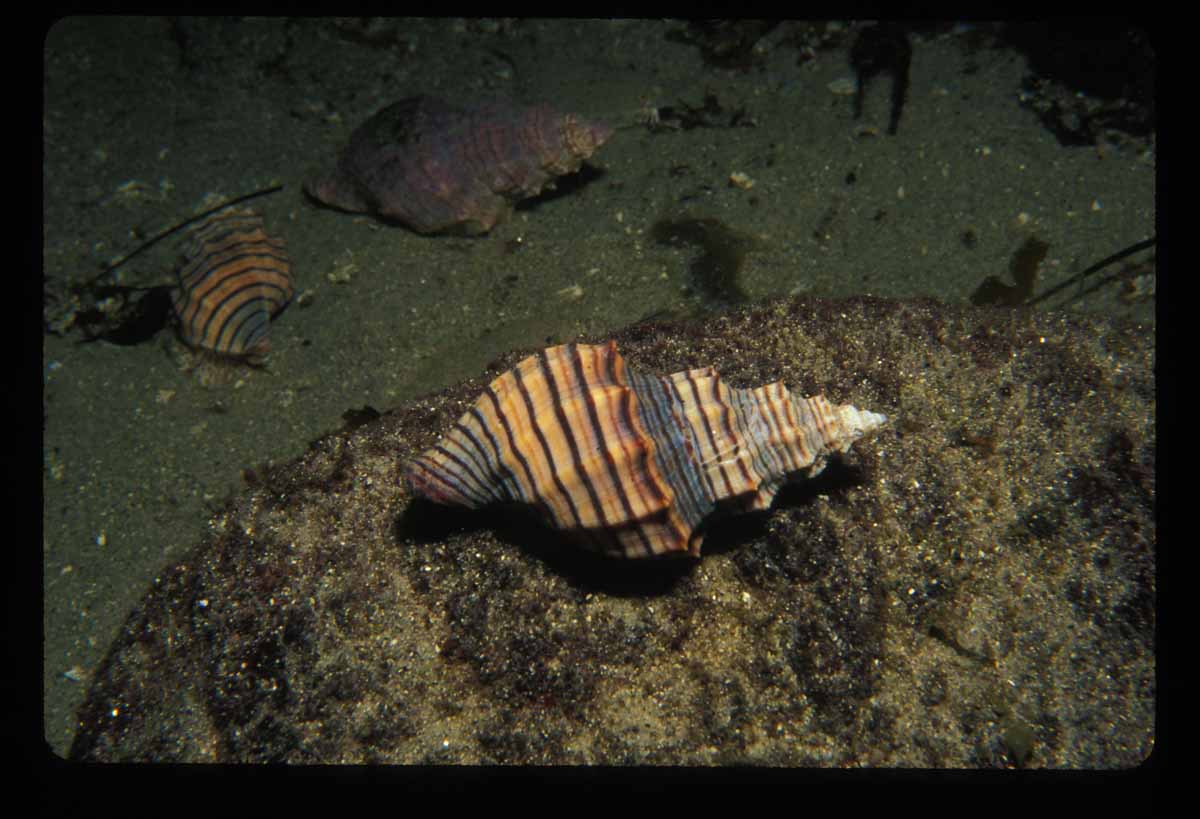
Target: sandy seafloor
[[148, 121]]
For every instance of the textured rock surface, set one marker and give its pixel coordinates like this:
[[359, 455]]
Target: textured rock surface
[[972, 587]]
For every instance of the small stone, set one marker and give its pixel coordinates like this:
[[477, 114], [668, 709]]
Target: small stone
[[741, 180]]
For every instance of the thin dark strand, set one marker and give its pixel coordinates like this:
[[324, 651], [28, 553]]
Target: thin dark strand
[[1099, 285], [150, 243], [1078, 277]]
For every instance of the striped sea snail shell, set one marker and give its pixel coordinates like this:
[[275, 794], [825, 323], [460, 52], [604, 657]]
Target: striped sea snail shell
[[234, 279], [630, 464]]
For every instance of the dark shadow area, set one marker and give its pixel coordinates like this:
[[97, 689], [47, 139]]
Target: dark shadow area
[[563, 186], [425, 523]]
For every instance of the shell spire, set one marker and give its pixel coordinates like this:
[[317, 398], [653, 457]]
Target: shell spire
[[630, 463]]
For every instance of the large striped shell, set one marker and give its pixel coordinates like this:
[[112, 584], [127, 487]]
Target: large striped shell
[[235, 278], [630, 463]]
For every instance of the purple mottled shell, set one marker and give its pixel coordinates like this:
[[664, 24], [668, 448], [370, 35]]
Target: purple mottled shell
[[630, 463], [434, 166]]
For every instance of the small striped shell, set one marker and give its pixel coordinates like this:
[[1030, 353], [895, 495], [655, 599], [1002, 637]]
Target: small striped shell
[[630, 464], [234, 279]]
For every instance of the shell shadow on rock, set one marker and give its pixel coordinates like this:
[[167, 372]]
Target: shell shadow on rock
[[435, 167], [630, 464]]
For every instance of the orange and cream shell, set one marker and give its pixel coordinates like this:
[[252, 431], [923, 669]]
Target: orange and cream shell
[[630, 464], [235, 278]]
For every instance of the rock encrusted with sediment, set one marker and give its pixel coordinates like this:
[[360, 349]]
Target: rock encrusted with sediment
[[973, 586]]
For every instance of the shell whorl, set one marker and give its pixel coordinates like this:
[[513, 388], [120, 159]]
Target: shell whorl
[[630, 463]]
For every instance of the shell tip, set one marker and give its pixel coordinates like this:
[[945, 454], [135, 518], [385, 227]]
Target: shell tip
[[858, 422]]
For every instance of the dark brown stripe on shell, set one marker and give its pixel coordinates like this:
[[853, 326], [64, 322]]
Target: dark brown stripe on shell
[[565, 429], [235, 279], [627, 399], [531, 495]]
